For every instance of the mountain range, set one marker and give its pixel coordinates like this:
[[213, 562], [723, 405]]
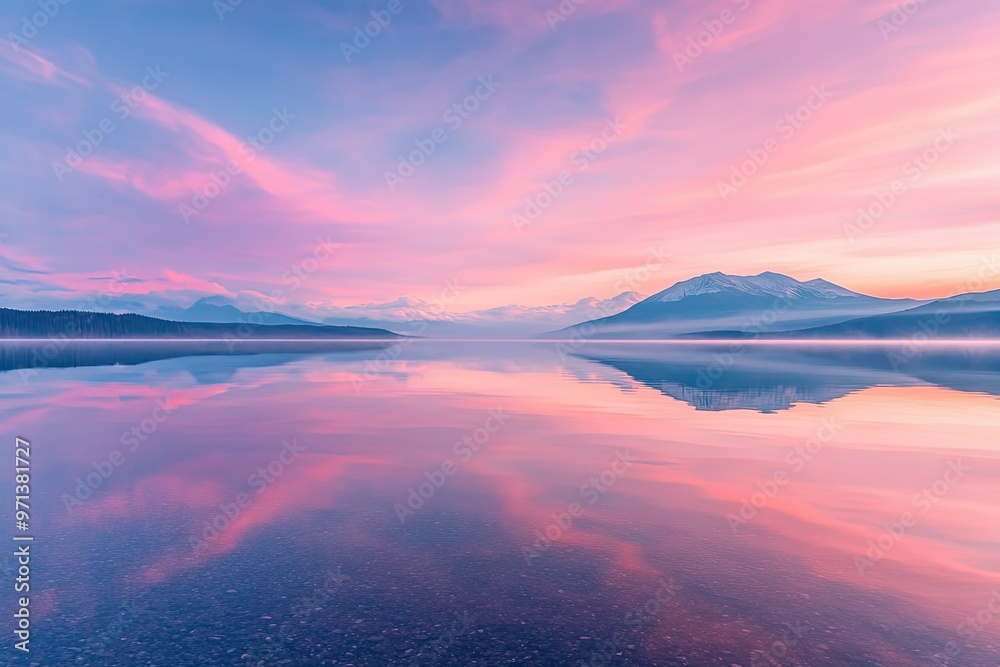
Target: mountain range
[[218, 310], [711, 306], [74, 324], [772, 305], [411, 316]]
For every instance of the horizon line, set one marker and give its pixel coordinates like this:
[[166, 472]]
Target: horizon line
[[645, 341]]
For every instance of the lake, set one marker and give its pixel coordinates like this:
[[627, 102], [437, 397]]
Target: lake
[[478, 503]]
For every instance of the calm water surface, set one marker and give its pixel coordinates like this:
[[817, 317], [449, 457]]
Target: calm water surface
[[490, 504]]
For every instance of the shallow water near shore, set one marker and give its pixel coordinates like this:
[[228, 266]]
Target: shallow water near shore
[[510, 503]]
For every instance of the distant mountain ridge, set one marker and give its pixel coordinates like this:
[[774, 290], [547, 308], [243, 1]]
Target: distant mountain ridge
[[973, 316], [765, 303], [764, 284], [214, 309], [78, 324], [774, 306], [715, 305], [408, 315]]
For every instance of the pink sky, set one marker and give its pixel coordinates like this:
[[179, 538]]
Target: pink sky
[[905, 98]]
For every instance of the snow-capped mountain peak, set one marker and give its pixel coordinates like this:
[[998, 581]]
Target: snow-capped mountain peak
[[831, 289], [763, 284]]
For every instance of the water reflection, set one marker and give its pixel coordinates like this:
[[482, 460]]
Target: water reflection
[[28, 357], [521, 540], [769, 377]]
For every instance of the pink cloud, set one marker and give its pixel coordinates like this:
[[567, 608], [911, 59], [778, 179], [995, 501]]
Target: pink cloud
[[310, 191], [657, 184]]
